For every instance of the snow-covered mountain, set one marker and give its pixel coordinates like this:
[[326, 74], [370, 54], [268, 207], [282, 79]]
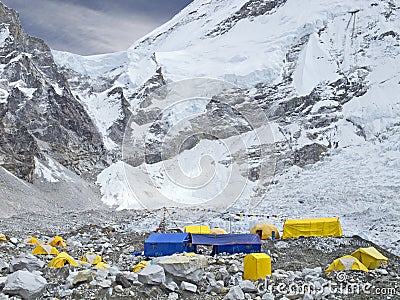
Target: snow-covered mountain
[[321, 79], [255, 105]]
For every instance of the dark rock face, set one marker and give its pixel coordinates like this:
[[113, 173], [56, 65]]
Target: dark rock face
[[40, 115], [249, 9]]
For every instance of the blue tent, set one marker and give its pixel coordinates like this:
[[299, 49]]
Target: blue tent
[[229, 243], [162, 244]]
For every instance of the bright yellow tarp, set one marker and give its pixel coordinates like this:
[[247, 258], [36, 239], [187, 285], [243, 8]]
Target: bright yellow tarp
[[266, 230], [33, 241], [345, 263], [312, 227], [61, 259], [217, 230], [92, 258], [143, 264], [370, 257], [198, 229], [58, 241], [44, 249], [256, 266], [101, 265]]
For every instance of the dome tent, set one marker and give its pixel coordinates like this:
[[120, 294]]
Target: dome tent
[[345, 263], [217, 230], [265, 231]]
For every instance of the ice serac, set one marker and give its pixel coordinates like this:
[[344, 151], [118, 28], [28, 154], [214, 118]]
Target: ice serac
[[38, 114]]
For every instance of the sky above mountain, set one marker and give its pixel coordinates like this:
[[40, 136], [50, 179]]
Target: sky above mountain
[[93, 26]]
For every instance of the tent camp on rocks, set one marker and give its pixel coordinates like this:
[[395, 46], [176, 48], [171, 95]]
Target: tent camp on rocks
[[229, 114], [188, 275]]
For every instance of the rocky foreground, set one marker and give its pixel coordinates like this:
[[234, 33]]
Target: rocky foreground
[[297, 265]]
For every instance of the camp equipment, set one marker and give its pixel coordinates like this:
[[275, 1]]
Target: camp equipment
[[346, 262], [265, 231], [370, 257], [229, 243], [44, 249], [198, 229], [61, 259], [161, 244], [256, 266], [312, 227]]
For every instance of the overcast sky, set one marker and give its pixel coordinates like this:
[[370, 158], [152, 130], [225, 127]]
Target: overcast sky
[[93, 26]]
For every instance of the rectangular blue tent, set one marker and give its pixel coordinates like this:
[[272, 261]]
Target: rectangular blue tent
[[162, 244], [229, 243]]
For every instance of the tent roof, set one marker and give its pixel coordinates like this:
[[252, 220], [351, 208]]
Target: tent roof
[[315, 220], [225, 239], [167, 238], [371, 251]]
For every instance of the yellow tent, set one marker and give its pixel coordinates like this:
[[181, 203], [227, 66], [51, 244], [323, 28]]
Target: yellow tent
[[102, 265], [370, 257], [198, 229], [265, 230], [217, 230], [61, 259], [346, 262], [143, 264], [58, 241], [44, 249], [33, 241], [3, 238], [256, 266], [92, 258], [312, 227]]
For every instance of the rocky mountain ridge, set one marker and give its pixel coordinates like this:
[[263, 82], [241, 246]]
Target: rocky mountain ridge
[[40, 116]]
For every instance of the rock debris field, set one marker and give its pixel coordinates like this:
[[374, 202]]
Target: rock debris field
[[298, 265]]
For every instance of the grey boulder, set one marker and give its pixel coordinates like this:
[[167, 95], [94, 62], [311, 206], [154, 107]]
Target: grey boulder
[[153, 274], [25, 284]]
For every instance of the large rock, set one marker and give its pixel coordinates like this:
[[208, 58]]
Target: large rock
[[247, 286], [187, 286], [123, 281], [312, 271], [3, 266], [235, 293], [268, 296], [153, 274], [84, 276], [184, 267], [25, 284], [26, 262]]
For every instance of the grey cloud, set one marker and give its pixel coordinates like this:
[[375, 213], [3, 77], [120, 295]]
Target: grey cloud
[[92, 27]]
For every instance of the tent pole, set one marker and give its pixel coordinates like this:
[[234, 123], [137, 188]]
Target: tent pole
[[230, 223]]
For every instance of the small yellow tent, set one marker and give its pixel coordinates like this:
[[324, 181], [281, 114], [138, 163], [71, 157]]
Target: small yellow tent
[[370, 257], [217, 230], [265, 230], [143, 264], [3, 238], [61, 259], [33, 241], [256, 266], [312, 227], [198, 229], [92, 258], [58, 241], [346, 262], [101, 265], [44, 249]]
